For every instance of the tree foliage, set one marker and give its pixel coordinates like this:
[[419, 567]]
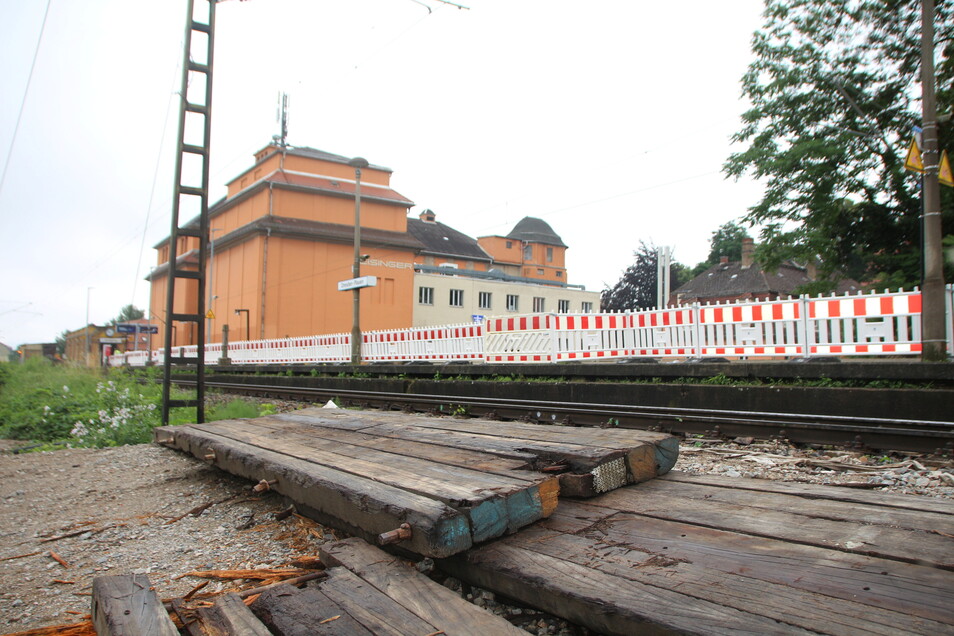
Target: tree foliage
[[725, 241], [834, 89], [636, 289], [129, 312]]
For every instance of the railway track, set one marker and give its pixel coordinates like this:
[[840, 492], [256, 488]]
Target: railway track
[[911, 435]]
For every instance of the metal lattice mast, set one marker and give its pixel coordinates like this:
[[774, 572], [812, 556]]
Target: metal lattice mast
[[187, 271]]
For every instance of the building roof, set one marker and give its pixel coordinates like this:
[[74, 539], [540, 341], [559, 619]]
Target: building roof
[[439, 239], [731, 279], [314, 153], [332, 186], [301, 229], [534, 230], [304, 183]]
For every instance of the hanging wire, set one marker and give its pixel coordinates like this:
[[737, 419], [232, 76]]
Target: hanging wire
[[26, 91]]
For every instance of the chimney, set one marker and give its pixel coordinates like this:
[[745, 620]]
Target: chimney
[[748, 252], [428, 216], [811, 270], [723, 260]]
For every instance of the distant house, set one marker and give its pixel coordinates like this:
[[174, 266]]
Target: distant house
[[38, 350], [745, 280], [5, 353]]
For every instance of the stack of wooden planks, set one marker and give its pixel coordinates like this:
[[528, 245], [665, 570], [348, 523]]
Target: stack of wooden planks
[[365, 592], [716, 555], [453, 482]]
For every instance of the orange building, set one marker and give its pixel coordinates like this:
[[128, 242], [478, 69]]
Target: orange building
[[531, 250], [282, 239]]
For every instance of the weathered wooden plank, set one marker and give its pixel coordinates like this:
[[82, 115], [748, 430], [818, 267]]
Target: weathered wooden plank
[[679, 502], [464, 478], [619, 438], [601, 601], [126, 605], [494, 504], [647, 454], [582, 456], [665, 445], [358, 505], [857, 512], [376, 611], [425, 598], [814, 584], [467, 458], [813, 492], [288, 611], [675, 570], [230, 617]]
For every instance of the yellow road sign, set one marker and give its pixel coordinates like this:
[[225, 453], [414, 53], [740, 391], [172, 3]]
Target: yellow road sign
[[944, 171], [210, 315], [913, 160]]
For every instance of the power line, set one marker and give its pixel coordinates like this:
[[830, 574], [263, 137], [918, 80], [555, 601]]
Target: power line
[[26, 91]]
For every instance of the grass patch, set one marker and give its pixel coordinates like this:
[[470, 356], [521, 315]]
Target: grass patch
[[58, 405]]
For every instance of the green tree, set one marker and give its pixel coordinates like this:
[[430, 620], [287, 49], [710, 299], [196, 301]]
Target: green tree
[[636, 289], [725, 241], [61, 342], [833, 89], [129, 312]]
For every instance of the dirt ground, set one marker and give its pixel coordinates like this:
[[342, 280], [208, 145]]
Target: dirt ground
[[70, 515]]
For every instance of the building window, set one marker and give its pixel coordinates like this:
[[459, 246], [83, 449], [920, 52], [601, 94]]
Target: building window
[[539, 271], [512, 302], [559, 273], [528, 252], [549, 254], [425, 295], [457, 298], [587, 308], [538, 305], [483, 300], [563, 306], [509, 245]]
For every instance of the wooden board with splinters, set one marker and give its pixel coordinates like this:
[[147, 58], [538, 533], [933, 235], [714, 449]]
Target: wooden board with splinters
[[455, 482]]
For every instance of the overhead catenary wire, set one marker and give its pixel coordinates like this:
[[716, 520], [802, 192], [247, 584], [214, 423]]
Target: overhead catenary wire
[[23, 100]]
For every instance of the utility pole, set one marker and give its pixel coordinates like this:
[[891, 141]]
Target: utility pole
[[86, 356], [663, 260], [357, 163], [933, 332]]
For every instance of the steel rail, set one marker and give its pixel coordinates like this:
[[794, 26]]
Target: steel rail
[[875, 433]]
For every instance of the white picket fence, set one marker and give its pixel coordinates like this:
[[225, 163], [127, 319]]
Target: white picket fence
[[885, 324]]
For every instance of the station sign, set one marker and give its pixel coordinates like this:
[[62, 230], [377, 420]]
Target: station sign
[[112, 340], [357, 283], [134, 328]]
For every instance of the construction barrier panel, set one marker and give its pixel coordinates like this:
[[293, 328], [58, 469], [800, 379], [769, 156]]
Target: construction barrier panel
[[874, 324]]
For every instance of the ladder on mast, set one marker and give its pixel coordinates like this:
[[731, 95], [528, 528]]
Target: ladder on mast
[[192, 156]]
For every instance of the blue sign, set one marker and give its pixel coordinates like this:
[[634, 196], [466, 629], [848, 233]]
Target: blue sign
[[125, 328]]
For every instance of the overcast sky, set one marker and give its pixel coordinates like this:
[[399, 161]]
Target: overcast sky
[[608, 119]]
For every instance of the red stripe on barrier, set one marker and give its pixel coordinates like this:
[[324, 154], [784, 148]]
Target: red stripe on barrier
[[887, 305], [914, 303], [859, 306]]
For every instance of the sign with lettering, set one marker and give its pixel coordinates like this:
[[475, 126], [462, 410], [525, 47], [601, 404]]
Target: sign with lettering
[[357, 283]]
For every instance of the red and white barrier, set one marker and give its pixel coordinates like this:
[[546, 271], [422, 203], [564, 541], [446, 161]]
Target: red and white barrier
[[870, 324]]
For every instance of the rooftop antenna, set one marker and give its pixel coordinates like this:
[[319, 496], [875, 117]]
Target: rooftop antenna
[[281, 116]]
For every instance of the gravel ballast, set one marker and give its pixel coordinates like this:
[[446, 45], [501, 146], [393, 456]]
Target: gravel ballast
[[127, 510]]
